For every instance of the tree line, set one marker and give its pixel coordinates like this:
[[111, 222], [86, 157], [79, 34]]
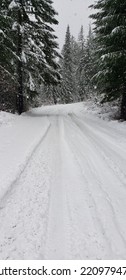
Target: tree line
[[76, 69], [29, 58]]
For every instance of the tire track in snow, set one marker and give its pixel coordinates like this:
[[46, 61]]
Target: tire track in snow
[[24, 210], [60, 206], [57, 236], [24, 165], [70, 233], [112, 142], [118, 205], [113, 159], [116, 159], [107, 129], [91, 201], [108, 201], [79, 238]]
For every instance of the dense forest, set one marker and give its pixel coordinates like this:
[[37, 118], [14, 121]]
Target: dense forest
[[32, 71]]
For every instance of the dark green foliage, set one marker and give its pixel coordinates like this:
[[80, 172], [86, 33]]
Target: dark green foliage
[[28, 45], [7, 93], [110, 37], [85, 69], [67, 70], [80, 71]]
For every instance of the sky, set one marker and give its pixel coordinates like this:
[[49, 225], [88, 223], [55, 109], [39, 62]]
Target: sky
[[72, 12]]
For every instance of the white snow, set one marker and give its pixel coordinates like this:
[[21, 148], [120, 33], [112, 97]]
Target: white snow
[[23, 57], [63, 184], [6, 118], [13, 5], [31, 82], [32, 17], [117, 29], [1, 31], [14, 26]]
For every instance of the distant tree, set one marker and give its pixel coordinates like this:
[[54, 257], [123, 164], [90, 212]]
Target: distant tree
[[85, 69], [81, 39], [77, 68], [110, 37], [67, 85], [75, 60], [90, 67], [80, 72]]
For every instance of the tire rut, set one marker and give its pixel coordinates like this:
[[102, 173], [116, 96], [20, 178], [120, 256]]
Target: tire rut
[[95, 176]]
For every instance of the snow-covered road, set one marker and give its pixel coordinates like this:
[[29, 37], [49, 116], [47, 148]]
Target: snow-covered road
[[63, 186]]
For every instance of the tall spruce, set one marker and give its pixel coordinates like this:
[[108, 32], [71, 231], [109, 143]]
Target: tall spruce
[[74, 53], [90, 67], [28, 45], [80, 73], [110, 33], [67, 86], [85, 68]]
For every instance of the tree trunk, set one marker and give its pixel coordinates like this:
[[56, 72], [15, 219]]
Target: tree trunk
[[20, 101], [54, 95], [123, 106]]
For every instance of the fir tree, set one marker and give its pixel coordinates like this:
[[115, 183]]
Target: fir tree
[[110, 27], [75, 59], [81, 39], [90, 67], [28, 43], [67, 86], [85, 69], [80, 73]]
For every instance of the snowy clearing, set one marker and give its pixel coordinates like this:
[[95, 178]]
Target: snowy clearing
[[63, 185]]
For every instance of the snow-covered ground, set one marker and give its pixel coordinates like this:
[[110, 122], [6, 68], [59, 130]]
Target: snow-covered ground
[[62, 185]]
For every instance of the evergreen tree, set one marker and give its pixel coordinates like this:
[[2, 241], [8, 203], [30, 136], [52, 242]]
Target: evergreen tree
[[80, 73], [81, 40], [75, 59], [28, 44], [67, 86], [85, 70], [110, 27], [90, 67]]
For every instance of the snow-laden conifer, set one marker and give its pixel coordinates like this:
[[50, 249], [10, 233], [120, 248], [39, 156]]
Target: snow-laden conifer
[[28, 44], [67, 86], [110, 32]]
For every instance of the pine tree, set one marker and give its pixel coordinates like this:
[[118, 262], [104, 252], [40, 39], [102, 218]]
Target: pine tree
[[110, 27], [75, 59], [85, 69], [28, 43], [80, 73], [81, 39], [67, 86], [90, 67]]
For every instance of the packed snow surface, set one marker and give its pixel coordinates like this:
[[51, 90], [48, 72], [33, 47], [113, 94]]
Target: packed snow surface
[[63, 185]]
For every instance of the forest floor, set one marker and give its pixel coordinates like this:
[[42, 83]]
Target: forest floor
[[62, 185]]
